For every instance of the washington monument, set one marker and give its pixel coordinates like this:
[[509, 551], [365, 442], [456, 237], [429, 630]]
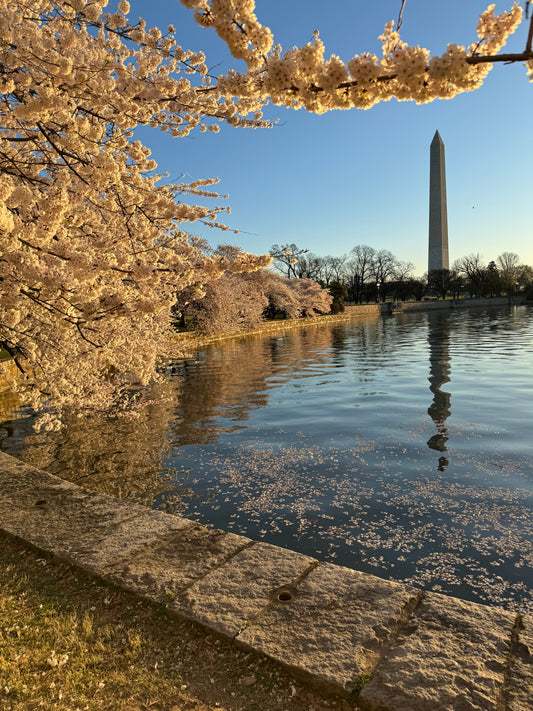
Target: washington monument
[[438, 211]]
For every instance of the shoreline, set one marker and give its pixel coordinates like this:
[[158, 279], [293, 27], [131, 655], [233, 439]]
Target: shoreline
[[188, 341]]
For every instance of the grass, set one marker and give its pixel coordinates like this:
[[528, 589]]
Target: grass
[[359, 683], [70, 642]]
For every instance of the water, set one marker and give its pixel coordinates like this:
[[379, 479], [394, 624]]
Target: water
[[399, 446]]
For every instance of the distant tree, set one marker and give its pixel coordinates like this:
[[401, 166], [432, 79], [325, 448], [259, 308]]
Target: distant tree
[[457, 284], [339, 292], [526, 281], [286, 257], [327, 269], [309, 266], [475, 272], [403, 270], [381, 270], [525, 276], [400, 280], [493, 282], [358, 269], [337, 266], [509, 264], [439, 281], [417, 288]]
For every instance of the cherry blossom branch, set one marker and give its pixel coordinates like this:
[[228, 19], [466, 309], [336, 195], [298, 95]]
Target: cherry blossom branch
[[63, 154], [84, 337], [508, 58]]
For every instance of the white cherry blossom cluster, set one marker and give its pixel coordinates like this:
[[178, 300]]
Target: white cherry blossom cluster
[[304, 78], [235, 22], [494, 30]]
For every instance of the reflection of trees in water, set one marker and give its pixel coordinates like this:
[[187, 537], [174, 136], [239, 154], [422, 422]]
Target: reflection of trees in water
[[439, 374], [121, 457], [230, 380], [9, 404], [221, 382], [125, 456]]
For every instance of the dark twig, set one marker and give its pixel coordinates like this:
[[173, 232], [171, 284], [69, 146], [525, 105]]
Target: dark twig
[[529, 42], [400, 18], [515, 57]]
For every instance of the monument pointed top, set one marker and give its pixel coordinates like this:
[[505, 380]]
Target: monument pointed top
[[437, 138]]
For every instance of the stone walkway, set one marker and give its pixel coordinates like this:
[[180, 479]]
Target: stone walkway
[[394, 647]]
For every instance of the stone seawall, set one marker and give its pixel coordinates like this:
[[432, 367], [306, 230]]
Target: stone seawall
[[444, 304], [386, 645], [188, 341]]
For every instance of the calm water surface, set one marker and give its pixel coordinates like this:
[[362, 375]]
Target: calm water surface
[[399, 446]]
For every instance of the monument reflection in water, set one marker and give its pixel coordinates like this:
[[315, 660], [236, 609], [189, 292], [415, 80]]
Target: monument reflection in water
[[439, 375]]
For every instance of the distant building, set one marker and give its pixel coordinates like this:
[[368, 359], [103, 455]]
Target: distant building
[[438, 210]]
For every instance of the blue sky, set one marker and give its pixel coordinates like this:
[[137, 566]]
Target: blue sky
[[328, 183]]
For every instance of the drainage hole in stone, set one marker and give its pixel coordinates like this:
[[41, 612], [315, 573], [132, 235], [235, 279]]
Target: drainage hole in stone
[[285, 596]]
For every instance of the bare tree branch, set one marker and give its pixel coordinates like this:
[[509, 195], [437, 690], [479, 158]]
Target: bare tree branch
[[399, 23]]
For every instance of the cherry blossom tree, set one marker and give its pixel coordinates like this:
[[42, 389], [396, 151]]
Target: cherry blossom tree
[[313, 299], [92, 247], [230, 304], [240, 301]]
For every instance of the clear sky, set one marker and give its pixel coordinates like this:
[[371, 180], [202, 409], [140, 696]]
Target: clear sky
[[330, 182]]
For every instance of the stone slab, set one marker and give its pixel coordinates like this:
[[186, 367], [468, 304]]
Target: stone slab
[[16, 475], [56, 515], [227, 599], [125, 540], [170, 563], [334, 627], [519, 689], [92, 530], [450, 656]]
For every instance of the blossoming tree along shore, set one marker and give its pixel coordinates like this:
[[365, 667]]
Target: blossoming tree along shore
[[92, 250], [92, 247], [240, 301]]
